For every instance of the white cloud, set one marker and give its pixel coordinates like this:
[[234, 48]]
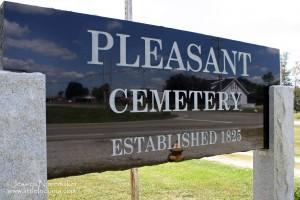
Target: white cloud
[[43, 47], [14, 29]]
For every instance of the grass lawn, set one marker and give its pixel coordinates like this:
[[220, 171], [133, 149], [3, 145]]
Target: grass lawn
[[297, 115], [84, 114], [190, 180], [193, 179]]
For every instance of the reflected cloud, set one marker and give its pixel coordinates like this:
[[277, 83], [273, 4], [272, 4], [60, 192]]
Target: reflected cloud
[[158, 82], [261, 68], [272, 51], [43, 47], [28, 65], [14, 29], [113, 25], [31, 10], [71, 74], [255, 79]]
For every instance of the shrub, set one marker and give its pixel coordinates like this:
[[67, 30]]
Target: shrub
[[297, 194], [297, 99]]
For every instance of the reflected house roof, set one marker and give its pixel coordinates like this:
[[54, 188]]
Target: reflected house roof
[[87, 97], [222, 85]]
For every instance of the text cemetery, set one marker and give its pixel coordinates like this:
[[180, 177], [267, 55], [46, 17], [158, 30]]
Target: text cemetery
[[180, 98]]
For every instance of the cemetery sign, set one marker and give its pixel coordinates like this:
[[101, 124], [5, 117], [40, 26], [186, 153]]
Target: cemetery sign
[[122, 94]]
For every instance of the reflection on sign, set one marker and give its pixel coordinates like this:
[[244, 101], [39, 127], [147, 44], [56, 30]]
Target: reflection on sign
[[123, 94]]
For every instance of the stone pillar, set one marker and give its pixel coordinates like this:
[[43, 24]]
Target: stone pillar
[[23, 167], [273, 169]]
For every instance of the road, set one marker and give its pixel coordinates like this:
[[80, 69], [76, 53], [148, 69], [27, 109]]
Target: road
[[184, 122], [245, 160]]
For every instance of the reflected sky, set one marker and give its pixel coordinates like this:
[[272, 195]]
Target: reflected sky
[[57, 43]]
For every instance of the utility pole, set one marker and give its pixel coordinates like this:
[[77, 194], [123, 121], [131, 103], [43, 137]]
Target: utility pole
[[134, 176], [128, 10]]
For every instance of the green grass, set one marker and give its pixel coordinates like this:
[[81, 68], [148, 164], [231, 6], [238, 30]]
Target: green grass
[[193, 179], [189, 180], [297, 115], [95, 114]]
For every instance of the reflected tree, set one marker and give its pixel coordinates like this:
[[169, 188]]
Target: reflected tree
[[75, 89], [256, 90], [268, 78], [182, 82], [60, 94], [102, 93], [187, 83]]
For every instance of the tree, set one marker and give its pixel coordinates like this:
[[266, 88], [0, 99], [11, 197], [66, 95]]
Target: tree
[[297, 99], [75, 89], [296, 72], [285, 79]]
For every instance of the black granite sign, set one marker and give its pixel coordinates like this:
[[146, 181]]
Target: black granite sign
[[122, 94]]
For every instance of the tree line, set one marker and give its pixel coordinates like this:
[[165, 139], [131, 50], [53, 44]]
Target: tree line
[[286, 77]]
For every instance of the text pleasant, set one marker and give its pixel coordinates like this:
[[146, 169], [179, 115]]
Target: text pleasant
[[151, 57]]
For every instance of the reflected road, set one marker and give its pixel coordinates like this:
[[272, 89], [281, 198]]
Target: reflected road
[[192, 121]]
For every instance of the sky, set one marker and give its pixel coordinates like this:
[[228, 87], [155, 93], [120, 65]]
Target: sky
[[273, 23]]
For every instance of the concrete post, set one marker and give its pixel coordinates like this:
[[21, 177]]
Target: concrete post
[[273, 169], [23, 167]]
